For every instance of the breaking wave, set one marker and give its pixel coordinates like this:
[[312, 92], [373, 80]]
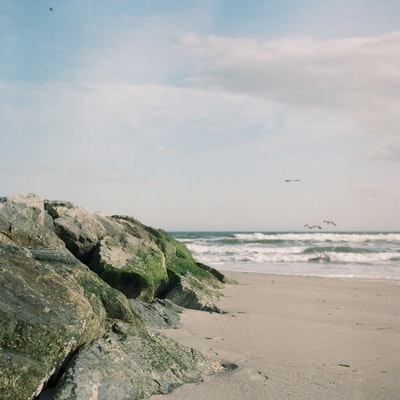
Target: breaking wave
[[331, 252]]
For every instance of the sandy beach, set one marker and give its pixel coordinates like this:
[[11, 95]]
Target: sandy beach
[[298, 338]]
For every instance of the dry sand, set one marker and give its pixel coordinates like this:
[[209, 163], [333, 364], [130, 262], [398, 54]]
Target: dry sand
[[298, 338]]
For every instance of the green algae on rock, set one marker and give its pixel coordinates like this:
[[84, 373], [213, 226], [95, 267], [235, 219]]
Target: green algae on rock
[[59, 316]]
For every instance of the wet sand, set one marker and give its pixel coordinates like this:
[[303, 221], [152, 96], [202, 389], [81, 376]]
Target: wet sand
[[298, 338]]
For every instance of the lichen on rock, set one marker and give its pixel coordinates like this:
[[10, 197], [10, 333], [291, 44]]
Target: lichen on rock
[[65, 274]]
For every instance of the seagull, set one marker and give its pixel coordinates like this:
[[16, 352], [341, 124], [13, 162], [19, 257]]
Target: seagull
[[312, 226], [292, 180], [329, 222]]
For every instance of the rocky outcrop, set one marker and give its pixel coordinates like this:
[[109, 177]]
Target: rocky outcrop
[[133, 258], [132, 364], [68, 327]]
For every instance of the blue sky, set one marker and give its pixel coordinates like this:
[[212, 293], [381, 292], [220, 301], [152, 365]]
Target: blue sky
[[190, 115]]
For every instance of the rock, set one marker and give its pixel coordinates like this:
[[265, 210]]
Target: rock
[[132, 364], [63, 324], [80, 230], [191, 292], [134, 227], [32, 206], [28, 226], [134, 266], [191, 285], [136, 259], [56, 208], [220, 276], [45, 319], [50, 303], [160, 314]]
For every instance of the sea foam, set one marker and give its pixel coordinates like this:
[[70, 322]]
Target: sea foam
[[361, 254]]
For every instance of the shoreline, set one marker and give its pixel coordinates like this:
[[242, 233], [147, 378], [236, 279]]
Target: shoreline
[[298, 337]]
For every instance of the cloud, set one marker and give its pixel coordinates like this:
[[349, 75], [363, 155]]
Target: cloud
[[359, 76], [160, 117]]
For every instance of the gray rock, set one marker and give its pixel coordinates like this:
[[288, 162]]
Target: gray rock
[[191, 292], [50, 303], [56, 208], [160, 314], [132, 364], [28, 226], [31, 206], [134, 266], [136, 259], [191, 284], [54, 309], [80, 230], [45, 318]]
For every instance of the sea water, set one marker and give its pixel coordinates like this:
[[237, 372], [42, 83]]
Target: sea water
[[374, 255]]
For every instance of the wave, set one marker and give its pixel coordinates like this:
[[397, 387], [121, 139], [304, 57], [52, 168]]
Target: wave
[[294, 247], [323, 257], [318, 236], [362, 254], [339, 249]]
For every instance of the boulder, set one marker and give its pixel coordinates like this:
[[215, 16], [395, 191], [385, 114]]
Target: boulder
[[28, 226], [132, 364], [30, 205], [161, 314], [46, 317], [191, 284], [65, 332], [80, 230], [191, 292], [56, 208], [134, 266], [136, 259]]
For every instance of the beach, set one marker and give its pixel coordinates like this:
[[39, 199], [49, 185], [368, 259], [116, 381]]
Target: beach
[[298, 337]]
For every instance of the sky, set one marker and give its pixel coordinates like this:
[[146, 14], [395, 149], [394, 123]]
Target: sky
[[191, 115]]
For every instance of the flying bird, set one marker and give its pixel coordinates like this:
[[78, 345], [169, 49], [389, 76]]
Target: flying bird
[[329, 222], [312, 226], [292, 180], [50, 8]]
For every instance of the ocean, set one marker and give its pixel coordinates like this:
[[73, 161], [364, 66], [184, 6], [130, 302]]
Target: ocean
[[373, 255]]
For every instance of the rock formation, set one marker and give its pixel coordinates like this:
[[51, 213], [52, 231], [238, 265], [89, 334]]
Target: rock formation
[[68, 327]]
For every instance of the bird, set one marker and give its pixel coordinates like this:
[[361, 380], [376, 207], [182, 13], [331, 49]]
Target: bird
[[329, 222], [50, 8], [312, 226], [292, 180]]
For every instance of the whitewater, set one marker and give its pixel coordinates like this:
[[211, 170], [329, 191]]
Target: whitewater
[[373, 255]]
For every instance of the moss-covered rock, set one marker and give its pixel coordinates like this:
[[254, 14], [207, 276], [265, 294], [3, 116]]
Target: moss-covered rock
[[45, 318], [138, 260], [115, 251], [132, 364], [60, 318], [134, 266], [191, 292]]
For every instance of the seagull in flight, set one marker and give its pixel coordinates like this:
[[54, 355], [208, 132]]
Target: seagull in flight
[[292, 180], [329, 222], [312, 226]]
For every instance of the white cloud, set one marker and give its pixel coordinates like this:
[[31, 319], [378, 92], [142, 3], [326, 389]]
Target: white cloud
[[121, 135], [356, 76]]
